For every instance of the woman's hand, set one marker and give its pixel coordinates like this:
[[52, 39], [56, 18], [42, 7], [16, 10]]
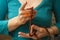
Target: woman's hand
[[41, 32], [22, 18], [24, 14]]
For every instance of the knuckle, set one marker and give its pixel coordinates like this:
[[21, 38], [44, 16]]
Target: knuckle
[[32, 26]]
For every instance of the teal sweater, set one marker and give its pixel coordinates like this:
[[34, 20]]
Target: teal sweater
[[43, 16]]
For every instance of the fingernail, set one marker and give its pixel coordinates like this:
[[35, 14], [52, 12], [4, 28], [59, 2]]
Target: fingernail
[[19, 32], [18, 35]]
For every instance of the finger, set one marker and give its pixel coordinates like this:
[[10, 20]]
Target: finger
[[31, 31], [35, 27], [26, 13], [34, 13], [21, 34], [40, 35], [40, 29], [23, 6], [29, 11]]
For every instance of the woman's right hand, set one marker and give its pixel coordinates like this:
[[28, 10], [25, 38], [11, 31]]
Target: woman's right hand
[[22, 18], [24, 14]]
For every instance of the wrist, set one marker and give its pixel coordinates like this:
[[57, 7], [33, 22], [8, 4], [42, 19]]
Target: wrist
[[18, 21], [51, 31], [54, 29], [13, 24]]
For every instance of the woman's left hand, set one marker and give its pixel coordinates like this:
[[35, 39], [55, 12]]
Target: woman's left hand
[[41, 32]]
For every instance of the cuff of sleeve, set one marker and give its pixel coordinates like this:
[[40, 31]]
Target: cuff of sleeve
[[4, 27], [58, 26]]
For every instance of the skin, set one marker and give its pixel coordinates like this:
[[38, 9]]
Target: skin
[[41, 32], [31, 3], [21, 19]]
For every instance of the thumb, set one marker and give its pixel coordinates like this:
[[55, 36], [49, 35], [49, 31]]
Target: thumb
[[23, 6]]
